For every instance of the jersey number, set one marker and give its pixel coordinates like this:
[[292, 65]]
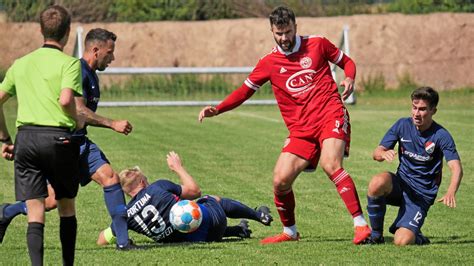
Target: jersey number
[[156, 225]]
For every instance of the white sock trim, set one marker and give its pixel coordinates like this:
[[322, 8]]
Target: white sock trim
[[290, 230], [359, 221]]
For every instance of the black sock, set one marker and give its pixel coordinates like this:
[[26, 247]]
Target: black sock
[[34, 239], [232, 231], [67, 234], [235, 209]]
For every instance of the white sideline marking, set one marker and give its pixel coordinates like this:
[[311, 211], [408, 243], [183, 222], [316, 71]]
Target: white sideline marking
[[179, 103], [177, 70]]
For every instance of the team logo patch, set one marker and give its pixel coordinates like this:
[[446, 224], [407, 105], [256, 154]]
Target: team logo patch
[[429, 147], [301, 81], [306, 62]]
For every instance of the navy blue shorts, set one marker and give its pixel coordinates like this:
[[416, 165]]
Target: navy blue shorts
[[91, 158], [412, 212], [214, 222]]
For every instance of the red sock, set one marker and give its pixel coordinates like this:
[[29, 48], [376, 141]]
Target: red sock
[[347, 190], [285, 204]]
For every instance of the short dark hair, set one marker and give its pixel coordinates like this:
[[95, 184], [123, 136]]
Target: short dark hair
[[101, 35], [281, 16], [55, 22], [428, 94]]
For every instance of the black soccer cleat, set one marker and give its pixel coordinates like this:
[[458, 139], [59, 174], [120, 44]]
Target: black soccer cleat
[[129, 246], [373, 241], [264, 215], [420, 239], [246, 232], [4, 222]]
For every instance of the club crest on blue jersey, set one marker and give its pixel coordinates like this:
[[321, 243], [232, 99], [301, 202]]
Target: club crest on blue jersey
[[429, 147]]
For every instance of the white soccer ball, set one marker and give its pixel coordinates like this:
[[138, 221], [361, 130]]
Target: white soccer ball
[[186, 216]]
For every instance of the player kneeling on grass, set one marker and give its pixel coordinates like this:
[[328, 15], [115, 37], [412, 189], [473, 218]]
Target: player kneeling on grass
[[422, 143], [149, 209]]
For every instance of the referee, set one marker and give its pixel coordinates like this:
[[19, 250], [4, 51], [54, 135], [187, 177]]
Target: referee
[[45, 82]]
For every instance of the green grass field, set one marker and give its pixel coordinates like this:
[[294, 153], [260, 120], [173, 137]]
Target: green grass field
[[233, 155]]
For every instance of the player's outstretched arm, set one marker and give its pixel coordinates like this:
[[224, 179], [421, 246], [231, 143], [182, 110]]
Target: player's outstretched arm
[[234, 99], [190, 189], [122, 126], [449, 199], [208, 111], [93, 119], [381, 154]]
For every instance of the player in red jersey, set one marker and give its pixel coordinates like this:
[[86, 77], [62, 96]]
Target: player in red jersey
[[313, 111]]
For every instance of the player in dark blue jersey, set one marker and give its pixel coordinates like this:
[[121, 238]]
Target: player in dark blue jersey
[[148, 210], [422, 144], [94, 165]]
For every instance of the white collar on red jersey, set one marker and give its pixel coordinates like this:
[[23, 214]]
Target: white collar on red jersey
[[295, 48]]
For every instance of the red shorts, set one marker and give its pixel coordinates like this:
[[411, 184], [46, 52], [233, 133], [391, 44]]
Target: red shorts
[[308, 146]]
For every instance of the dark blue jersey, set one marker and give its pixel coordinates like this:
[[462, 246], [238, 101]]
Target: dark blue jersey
[[148, 212], [421, 155], [90, 90]]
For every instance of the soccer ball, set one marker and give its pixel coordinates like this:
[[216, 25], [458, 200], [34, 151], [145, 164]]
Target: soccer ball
[[185, 216]]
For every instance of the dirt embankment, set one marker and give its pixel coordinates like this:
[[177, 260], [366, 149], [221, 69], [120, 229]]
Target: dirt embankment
[[434, 49]]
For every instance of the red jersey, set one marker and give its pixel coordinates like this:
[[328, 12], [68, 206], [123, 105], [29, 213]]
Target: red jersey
[[301, 81]]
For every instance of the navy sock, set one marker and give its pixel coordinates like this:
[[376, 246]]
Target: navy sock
[[235, 209], [14, 209], [34, 239], [115, 202], [67, 234], [376, 208]]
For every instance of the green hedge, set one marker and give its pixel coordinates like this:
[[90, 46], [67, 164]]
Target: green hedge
[[122, 10], [24, 10], [156, 10], [151, 10], [428, 6]]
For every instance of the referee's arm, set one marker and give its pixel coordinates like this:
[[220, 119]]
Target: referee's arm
[[5, 139]]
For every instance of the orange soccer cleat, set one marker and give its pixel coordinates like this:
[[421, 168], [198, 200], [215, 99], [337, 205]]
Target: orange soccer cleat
[[282, 237], [361, 233]]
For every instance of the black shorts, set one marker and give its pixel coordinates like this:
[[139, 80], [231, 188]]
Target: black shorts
[[45, 153]]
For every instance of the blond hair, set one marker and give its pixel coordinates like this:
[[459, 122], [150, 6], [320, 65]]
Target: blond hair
[[130, 177]]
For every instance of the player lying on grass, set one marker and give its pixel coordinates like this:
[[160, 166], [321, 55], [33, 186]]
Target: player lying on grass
[[149, 209], [422, 144]]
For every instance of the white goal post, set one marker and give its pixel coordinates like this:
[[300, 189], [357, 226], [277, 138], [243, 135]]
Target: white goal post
[[344, 46], [78, 51]]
